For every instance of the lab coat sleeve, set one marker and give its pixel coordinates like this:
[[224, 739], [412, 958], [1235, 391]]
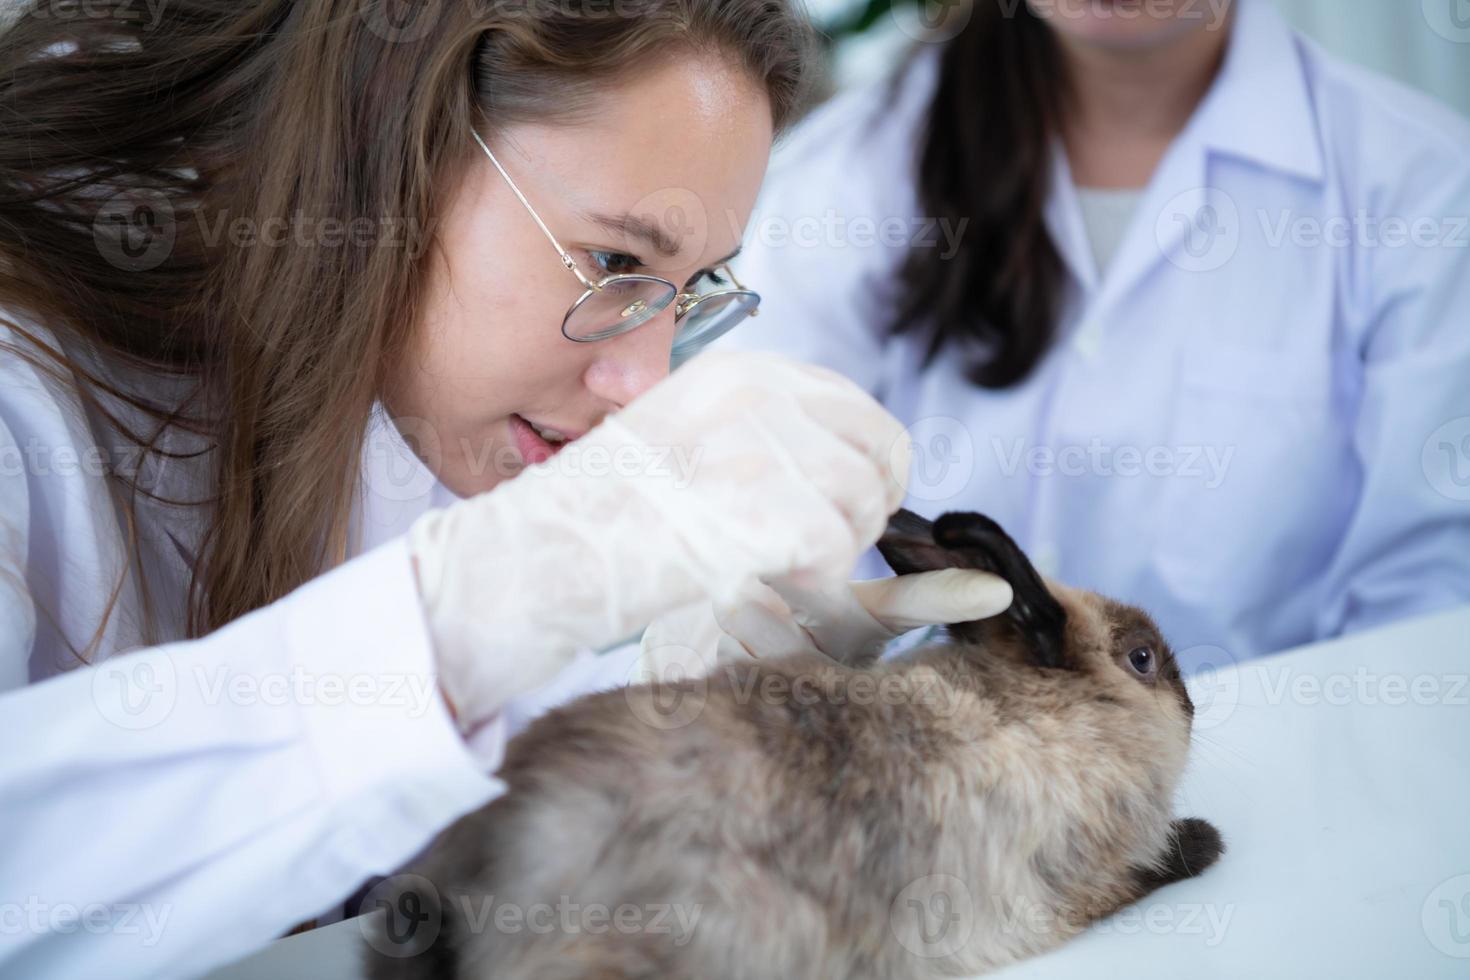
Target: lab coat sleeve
[[173, 808], [1407, 547]]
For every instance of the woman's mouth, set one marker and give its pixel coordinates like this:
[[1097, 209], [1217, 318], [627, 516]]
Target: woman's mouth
[[535, 442]]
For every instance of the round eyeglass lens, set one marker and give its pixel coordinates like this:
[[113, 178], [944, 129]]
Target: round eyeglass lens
[[711, 316], [623, 302]]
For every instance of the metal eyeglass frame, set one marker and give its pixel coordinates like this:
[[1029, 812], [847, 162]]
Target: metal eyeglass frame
[[683, 302]]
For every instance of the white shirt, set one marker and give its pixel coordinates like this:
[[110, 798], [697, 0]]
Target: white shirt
[[1261, 438], [1106, 216], [171, 810]]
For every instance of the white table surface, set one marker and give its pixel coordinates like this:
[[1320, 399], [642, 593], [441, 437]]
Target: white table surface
[[1340, 776]]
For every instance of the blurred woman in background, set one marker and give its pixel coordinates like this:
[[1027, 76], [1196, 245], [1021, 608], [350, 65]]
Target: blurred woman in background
[[1164, 288]]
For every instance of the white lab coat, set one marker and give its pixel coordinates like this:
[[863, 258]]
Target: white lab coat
[[1261, 440], [173, 809]]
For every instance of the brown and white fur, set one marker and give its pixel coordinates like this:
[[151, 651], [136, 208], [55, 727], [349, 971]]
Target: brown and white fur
[[1014, 784]]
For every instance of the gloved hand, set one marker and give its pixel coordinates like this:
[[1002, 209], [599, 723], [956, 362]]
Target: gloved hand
[[848, 621], [795, 471]]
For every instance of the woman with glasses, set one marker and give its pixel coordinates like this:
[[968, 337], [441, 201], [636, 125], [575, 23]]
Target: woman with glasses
[[334, 418]]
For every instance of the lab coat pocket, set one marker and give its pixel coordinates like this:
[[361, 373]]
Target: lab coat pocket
[[1254, 512]]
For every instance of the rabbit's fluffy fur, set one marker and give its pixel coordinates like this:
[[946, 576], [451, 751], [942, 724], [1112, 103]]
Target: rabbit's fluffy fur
[[938, 814]]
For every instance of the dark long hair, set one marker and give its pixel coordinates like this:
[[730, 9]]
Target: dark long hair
[[985, 158]]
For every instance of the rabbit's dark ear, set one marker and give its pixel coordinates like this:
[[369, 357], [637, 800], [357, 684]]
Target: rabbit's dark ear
[[1035, 612], [908, 545], [958, 540]]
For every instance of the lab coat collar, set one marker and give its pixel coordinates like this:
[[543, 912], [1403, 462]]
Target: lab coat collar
[[1260, 107], [1064, 219], [396, 486]]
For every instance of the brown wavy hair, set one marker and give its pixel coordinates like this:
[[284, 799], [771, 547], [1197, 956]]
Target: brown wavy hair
[[135, 144]]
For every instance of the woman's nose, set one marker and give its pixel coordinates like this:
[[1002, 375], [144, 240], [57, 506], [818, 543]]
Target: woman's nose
[[628, 365]]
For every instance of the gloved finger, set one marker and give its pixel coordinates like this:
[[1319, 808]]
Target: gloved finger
[[877, 435], [683, 642], [949, 595], [858, 486], [761, 623], [900, 469], [828, 611], [847, 476]]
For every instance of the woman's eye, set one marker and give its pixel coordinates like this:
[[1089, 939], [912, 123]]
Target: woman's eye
[[1141, 659], [710, 276], [614, 263]]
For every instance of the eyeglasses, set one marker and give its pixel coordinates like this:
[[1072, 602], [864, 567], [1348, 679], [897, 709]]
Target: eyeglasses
[[616, 304]]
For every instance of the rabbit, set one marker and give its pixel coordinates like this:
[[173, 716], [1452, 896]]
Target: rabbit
[[772, 820]]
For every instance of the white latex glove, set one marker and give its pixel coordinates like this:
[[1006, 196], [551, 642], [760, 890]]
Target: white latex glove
[[849, 622], [795, 472]]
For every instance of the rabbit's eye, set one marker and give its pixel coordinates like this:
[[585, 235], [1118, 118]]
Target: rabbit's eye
[[1142, 660]]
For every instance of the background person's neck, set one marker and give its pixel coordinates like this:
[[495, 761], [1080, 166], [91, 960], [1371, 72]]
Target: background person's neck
[[1127, 106]]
